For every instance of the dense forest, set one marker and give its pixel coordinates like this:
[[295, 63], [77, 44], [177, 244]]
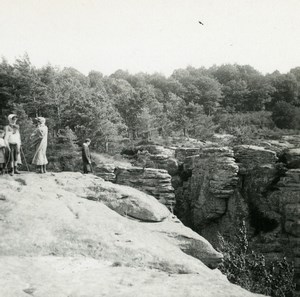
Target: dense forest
[[235, 99]]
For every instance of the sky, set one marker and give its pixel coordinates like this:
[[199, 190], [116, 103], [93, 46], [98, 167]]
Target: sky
[[151, 35]]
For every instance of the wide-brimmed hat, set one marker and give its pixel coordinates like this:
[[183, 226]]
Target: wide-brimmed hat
[[11, 116], [41, 120]]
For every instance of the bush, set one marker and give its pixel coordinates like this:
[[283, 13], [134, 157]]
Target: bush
[[286, 115], [245, 126], [251, 271], [259, 119]]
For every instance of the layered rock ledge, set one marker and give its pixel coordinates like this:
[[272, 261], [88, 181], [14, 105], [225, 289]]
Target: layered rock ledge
[[155, 182]]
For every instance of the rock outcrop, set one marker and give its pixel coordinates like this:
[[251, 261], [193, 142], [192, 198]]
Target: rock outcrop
[[152, 175], [67, 234], [153, 156], [249, 157], [293, 158], [287, 198], [213, 181], [220, 186], [155, 182], [182, 153], [106, 171]]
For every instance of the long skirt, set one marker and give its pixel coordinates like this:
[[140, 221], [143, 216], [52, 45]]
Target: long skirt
[[40, 157]]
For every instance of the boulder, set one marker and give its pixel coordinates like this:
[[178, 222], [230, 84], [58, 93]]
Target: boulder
[[128, 201]]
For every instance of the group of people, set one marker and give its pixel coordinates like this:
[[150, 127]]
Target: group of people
[[10, 146], [11, 150]]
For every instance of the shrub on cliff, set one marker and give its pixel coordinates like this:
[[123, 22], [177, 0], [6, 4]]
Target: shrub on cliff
[[250, 270], [245, 126]]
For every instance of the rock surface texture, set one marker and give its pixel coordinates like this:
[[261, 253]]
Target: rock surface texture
[[68, 234]]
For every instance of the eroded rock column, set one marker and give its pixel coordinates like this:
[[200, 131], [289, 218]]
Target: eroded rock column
[[214, 179]]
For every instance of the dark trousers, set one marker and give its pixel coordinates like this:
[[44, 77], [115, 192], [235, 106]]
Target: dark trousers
[[86, 167], [13, 155]]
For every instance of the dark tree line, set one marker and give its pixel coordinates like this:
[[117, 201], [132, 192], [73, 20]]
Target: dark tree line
[[193, 102]]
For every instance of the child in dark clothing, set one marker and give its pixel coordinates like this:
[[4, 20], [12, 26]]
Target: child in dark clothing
[[2, 152], [86, 156]]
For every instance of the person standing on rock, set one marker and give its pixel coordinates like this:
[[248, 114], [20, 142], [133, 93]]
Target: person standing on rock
[[13, 140], [3, 147], [39, 139], [86, 156]]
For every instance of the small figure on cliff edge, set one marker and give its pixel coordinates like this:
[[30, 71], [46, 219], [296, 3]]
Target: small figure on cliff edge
[[39, 139], [86, 156], [3, 147]]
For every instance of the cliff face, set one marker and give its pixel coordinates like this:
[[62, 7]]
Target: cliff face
[[218, 187], [68, 234]]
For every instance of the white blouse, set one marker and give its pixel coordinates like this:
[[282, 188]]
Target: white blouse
[[10, 137]]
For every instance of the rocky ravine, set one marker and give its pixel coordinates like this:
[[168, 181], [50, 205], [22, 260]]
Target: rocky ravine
[[66, 234], [218, 186]]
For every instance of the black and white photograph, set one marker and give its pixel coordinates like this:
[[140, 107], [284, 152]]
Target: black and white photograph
[[149, 148]]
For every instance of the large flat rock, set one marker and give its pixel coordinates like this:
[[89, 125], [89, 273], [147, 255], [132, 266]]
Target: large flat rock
[[55, 242], [87, 277]]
